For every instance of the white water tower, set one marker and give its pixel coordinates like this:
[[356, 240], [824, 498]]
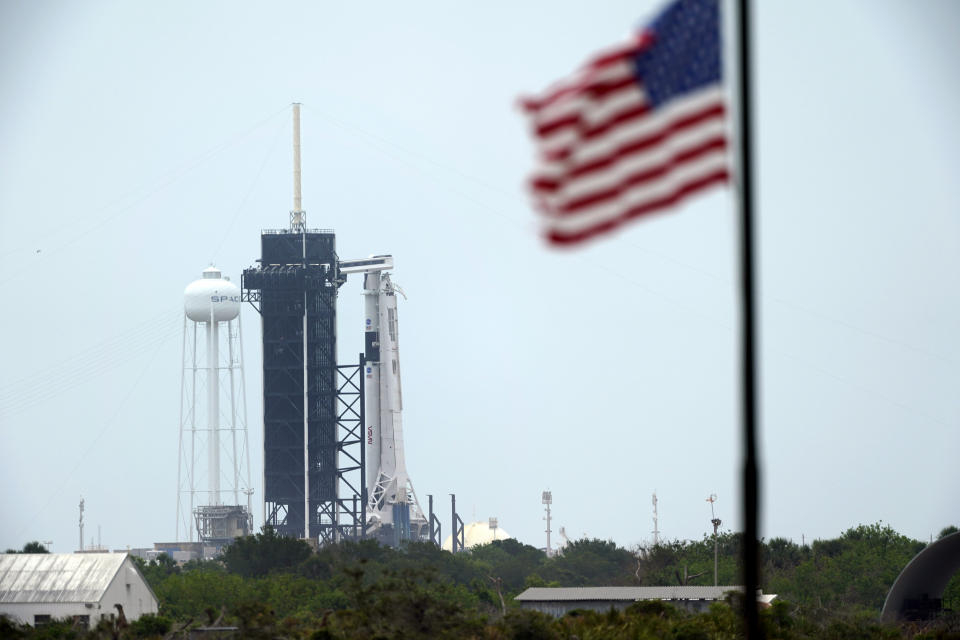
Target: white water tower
[[213, 417]]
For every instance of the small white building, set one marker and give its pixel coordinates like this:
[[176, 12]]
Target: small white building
[[39, 587]]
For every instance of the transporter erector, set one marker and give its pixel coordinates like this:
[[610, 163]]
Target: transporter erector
[[391, 501]]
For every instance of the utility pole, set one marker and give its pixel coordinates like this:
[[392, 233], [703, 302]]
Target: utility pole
[[715, 521]]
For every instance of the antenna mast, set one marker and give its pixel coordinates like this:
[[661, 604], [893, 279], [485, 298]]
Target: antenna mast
[[298, 218], [547, 499], [656, 531], [81, 523]]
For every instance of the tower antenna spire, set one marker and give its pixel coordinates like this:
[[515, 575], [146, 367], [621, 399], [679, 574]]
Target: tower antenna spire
[[298, 217]]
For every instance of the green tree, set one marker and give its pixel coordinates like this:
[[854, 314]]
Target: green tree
[[158, 569], [854, 571], [411, 604], [189, 594], [149, 626], [11, 629], [260, 554], [523, 624], [830, 589], [668, 562], [30, 547], [509, 560], [591, 562], [780, 554]]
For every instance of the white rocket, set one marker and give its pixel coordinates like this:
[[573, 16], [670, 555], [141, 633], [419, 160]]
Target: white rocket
[[386, 472]]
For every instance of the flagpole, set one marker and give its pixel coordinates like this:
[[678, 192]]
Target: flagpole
[[751, 502]]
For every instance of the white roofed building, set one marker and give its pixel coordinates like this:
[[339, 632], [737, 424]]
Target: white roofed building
[[558, 601], [39, 587]]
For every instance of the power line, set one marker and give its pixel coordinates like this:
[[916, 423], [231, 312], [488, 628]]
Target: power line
[[82, 459], [86, 365]]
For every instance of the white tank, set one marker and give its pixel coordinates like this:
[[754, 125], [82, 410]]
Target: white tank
[[476, 534], [211, 289]]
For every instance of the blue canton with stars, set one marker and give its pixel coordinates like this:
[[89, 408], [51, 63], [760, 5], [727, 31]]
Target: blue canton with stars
[[685, 54]]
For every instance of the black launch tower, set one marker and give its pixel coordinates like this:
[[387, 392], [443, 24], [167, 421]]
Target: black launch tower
[[313, 410], [294, 288]]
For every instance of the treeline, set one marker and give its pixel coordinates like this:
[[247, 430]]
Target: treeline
[[850, 573], [270, 586]]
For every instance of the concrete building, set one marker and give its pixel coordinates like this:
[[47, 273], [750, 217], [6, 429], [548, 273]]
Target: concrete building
[[183, 551], [559, 601], [39, 587]]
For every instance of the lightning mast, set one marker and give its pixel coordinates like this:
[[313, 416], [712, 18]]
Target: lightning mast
[[81, 523], [298, 217], [547, 500], [656, 531]]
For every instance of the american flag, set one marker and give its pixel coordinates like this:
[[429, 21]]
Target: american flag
[[638, 128]]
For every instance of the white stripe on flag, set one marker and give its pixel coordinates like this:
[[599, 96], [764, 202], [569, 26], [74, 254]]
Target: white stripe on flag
[[639, 196], [685, 140], [633, 130]]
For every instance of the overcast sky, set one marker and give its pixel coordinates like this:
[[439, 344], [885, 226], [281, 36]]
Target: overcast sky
[[139, 142]]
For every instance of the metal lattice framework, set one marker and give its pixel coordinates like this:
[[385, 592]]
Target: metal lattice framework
[[344, 518]]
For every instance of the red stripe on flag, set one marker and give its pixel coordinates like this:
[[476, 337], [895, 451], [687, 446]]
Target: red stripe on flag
[[674, 127], [615, 120], [604, 60], [628, 149], [607, 126], [561, 238], [635, 179], [605, 89]]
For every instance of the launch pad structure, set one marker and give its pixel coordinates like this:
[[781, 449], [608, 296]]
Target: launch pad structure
[[332, 440], [294, 288]]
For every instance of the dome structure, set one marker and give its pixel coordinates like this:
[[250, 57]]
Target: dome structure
[[476, 534], [211, 291]]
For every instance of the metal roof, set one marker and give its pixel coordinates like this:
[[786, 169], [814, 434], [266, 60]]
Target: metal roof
[[559, 594], [57, 577]]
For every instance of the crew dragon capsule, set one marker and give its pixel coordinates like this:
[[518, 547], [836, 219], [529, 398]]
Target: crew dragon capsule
[[391, 498]]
